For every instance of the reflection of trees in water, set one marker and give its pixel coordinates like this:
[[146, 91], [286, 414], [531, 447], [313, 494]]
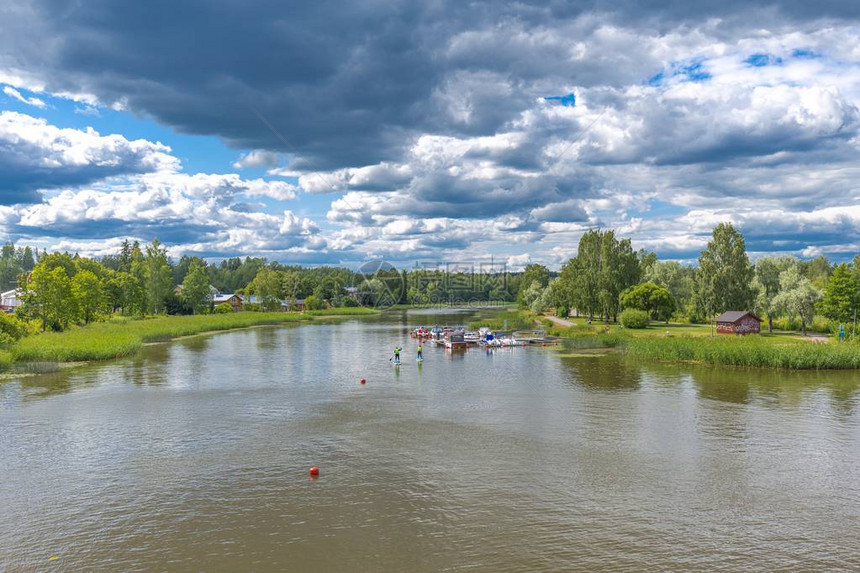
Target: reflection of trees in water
[[778, 387], [610, 372]]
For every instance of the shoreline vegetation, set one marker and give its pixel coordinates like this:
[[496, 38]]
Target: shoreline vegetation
[[121, 337], [693, 343]]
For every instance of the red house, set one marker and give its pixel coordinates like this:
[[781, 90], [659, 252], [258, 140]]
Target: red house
[[738, 322]]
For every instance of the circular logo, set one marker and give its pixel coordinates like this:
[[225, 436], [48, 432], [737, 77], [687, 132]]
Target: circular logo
[[378, 284]]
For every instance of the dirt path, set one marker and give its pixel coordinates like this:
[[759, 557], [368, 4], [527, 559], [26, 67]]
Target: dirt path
[[559, 321], [814, 338]]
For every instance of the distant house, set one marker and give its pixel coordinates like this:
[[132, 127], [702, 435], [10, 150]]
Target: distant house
[[738, 322], [234, 300], [351, 292], [10, 300], [297, 304]]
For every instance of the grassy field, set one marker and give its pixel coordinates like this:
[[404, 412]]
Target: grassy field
[[117, 338], [694, 343], [765, 351]]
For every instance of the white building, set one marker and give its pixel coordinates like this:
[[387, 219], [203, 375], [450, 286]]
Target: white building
[[10, 300]]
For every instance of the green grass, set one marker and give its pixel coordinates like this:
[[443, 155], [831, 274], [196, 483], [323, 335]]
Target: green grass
[[516, 320], [117, 338], [760, 351], [6, 360], [77, 345]]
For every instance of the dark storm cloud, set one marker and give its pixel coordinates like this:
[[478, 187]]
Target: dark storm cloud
[[342, 83]]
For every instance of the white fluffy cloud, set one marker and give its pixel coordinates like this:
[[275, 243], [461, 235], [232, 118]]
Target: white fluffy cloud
[[15, 94]]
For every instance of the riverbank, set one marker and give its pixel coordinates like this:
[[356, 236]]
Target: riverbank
[[121, 337], [694, 343]]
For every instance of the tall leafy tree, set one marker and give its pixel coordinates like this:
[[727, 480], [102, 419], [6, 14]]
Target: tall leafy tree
[[766, 285], [677, 278], [724, 277], [268, 286], [841, 295], [531, 274], [797, 296], [88, 294], [157, 276], [49, 296], [195, 287]]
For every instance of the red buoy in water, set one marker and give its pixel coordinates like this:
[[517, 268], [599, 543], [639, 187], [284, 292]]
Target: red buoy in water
[[314, 471], [363, 381]]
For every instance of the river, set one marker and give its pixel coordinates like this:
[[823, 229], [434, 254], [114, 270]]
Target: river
[[194, 456]]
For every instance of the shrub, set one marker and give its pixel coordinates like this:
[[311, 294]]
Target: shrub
[[223, 308], [634, 318], [12, 328], [314, 303]]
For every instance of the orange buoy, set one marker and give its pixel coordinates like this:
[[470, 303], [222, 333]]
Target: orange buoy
[[363, 381], [314, 471]]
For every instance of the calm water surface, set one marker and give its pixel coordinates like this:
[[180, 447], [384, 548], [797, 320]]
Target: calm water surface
[[194, 456]]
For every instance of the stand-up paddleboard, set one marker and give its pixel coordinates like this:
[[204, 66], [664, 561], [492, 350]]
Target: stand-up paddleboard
[[419, 359], [396, 363]]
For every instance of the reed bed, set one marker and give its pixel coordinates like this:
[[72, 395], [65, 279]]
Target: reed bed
[[750, 351], [114, 339], [516, 320]]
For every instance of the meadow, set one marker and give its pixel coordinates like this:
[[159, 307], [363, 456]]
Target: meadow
[[123, 337], [761, 351]]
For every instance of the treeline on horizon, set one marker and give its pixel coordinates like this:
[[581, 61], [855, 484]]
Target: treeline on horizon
[[605, 278]]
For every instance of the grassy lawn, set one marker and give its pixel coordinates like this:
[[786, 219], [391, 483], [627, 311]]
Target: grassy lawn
[[123, 337]]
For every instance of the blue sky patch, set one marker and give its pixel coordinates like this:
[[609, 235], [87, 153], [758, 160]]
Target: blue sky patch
[[805, 54], [690, 71], [762, 60], [568, 100]]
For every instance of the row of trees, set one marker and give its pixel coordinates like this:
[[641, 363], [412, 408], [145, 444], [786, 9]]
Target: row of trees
[[607, 275]]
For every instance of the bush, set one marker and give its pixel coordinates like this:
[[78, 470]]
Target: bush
[[12, 328], [223, 308], [314, 303], [634, 318]]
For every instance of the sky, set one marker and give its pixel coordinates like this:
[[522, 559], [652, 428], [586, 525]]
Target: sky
[[433, 132]]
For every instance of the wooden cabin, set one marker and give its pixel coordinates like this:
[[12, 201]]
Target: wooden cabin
[[234, 300], [738, 322]]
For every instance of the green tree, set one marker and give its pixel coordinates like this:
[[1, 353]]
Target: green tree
[[195, 287], [268, 287], [679, 279], [88, 294], [654, 299], [724, 277], [797, 296], [766, 285], [533, 273], [842, 295], [125, 293], [157, 276], [49, 296], [314, 303]]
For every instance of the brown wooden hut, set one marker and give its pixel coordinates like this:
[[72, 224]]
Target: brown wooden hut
[[738, 322]]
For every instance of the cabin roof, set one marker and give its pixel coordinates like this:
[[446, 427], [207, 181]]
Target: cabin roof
[[735, 315]]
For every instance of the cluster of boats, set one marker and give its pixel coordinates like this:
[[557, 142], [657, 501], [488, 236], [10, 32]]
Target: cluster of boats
[[454, 337]]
